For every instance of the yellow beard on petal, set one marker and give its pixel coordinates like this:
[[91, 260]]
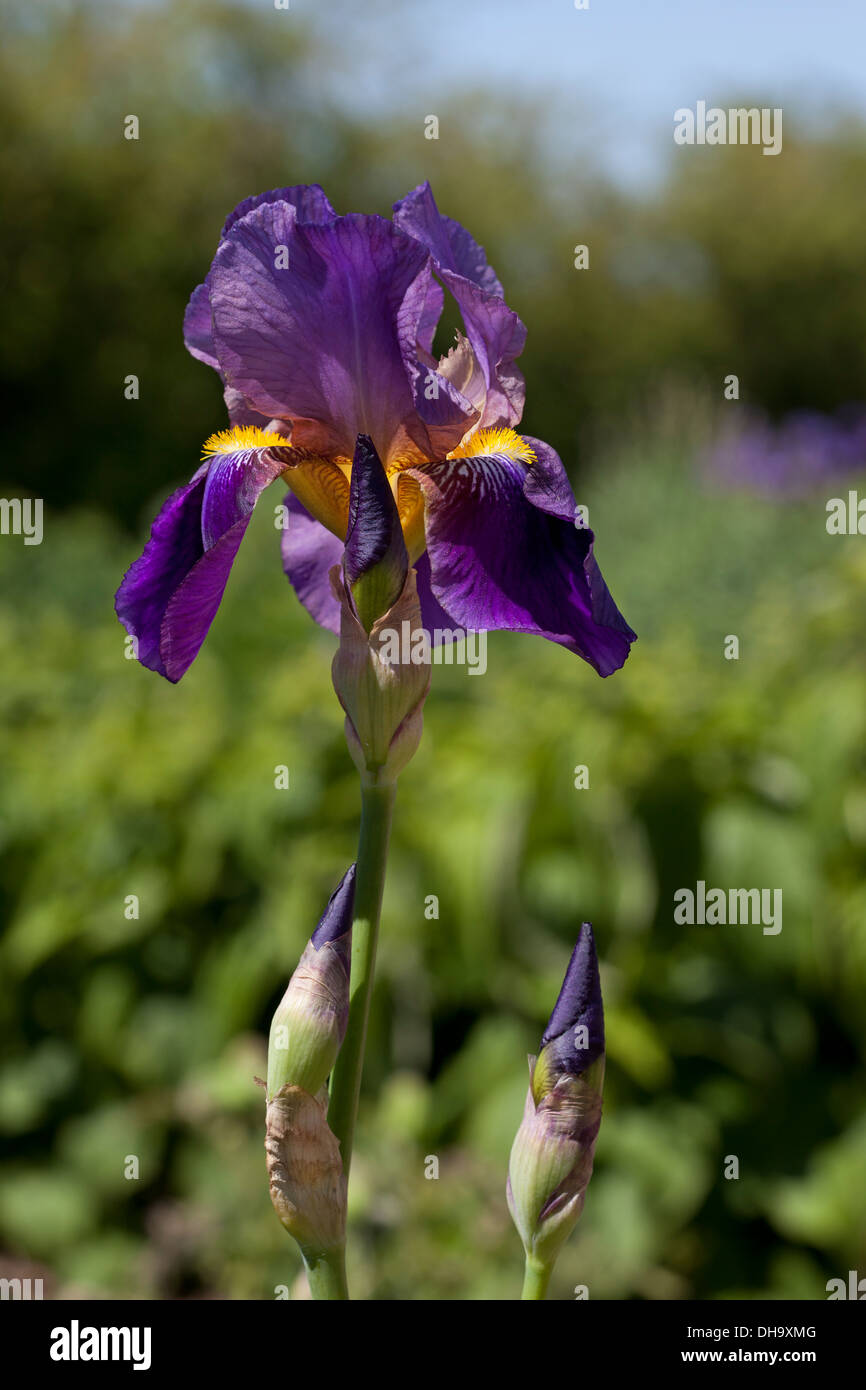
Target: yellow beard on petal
[[240, 438], [504, 442], [322, 484]]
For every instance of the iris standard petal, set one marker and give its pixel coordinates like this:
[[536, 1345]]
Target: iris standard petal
[[198, 329], [309, 200], [324, 341], [434, 303], [496, 333], [443, 408], [170, 595], [239, 412], [499, 559], [198, 338], [450, 245], [310, 205]]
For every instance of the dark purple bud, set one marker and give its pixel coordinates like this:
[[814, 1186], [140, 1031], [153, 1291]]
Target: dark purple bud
[[574, 1036], [552, 1156], [579, 1002], [336, 920], [376, 561]]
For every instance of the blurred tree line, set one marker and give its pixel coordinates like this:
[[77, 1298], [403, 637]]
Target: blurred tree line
[[738, 264]]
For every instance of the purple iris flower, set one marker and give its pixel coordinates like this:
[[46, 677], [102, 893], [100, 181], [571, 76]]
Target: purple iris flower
[[321, 329]]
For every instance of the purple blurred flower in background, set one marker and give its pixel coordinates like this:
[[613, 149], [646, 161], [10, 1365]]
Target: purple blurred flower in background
[[321, 329], [806, 450]]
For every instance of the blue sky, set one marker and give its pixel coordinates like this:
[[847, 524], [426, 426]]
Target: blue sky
[[625, 64]]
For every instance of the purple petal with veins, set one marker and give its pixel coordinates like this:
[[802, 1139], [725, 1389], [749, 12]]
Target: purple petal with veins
[[503, 555], [496, 333], [170, 595]]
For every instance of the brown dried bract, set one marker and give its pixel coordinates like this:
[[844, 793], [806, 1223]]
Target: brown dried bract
[[307, 1183]]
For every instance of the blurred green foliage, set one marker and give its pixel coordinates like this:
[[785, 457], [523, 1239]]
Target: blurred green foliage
[[140, 1034]]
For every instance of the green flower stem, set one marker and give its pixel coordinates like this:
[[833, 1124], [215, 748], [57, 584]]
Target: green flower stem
[[326, 1273], [377, 805], [535, 1280]]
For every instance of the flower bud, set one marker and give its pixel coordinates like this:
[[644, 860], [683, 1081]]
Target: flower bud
[[375, 561], [310, 1022], [551, 1159], [383, 698]]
